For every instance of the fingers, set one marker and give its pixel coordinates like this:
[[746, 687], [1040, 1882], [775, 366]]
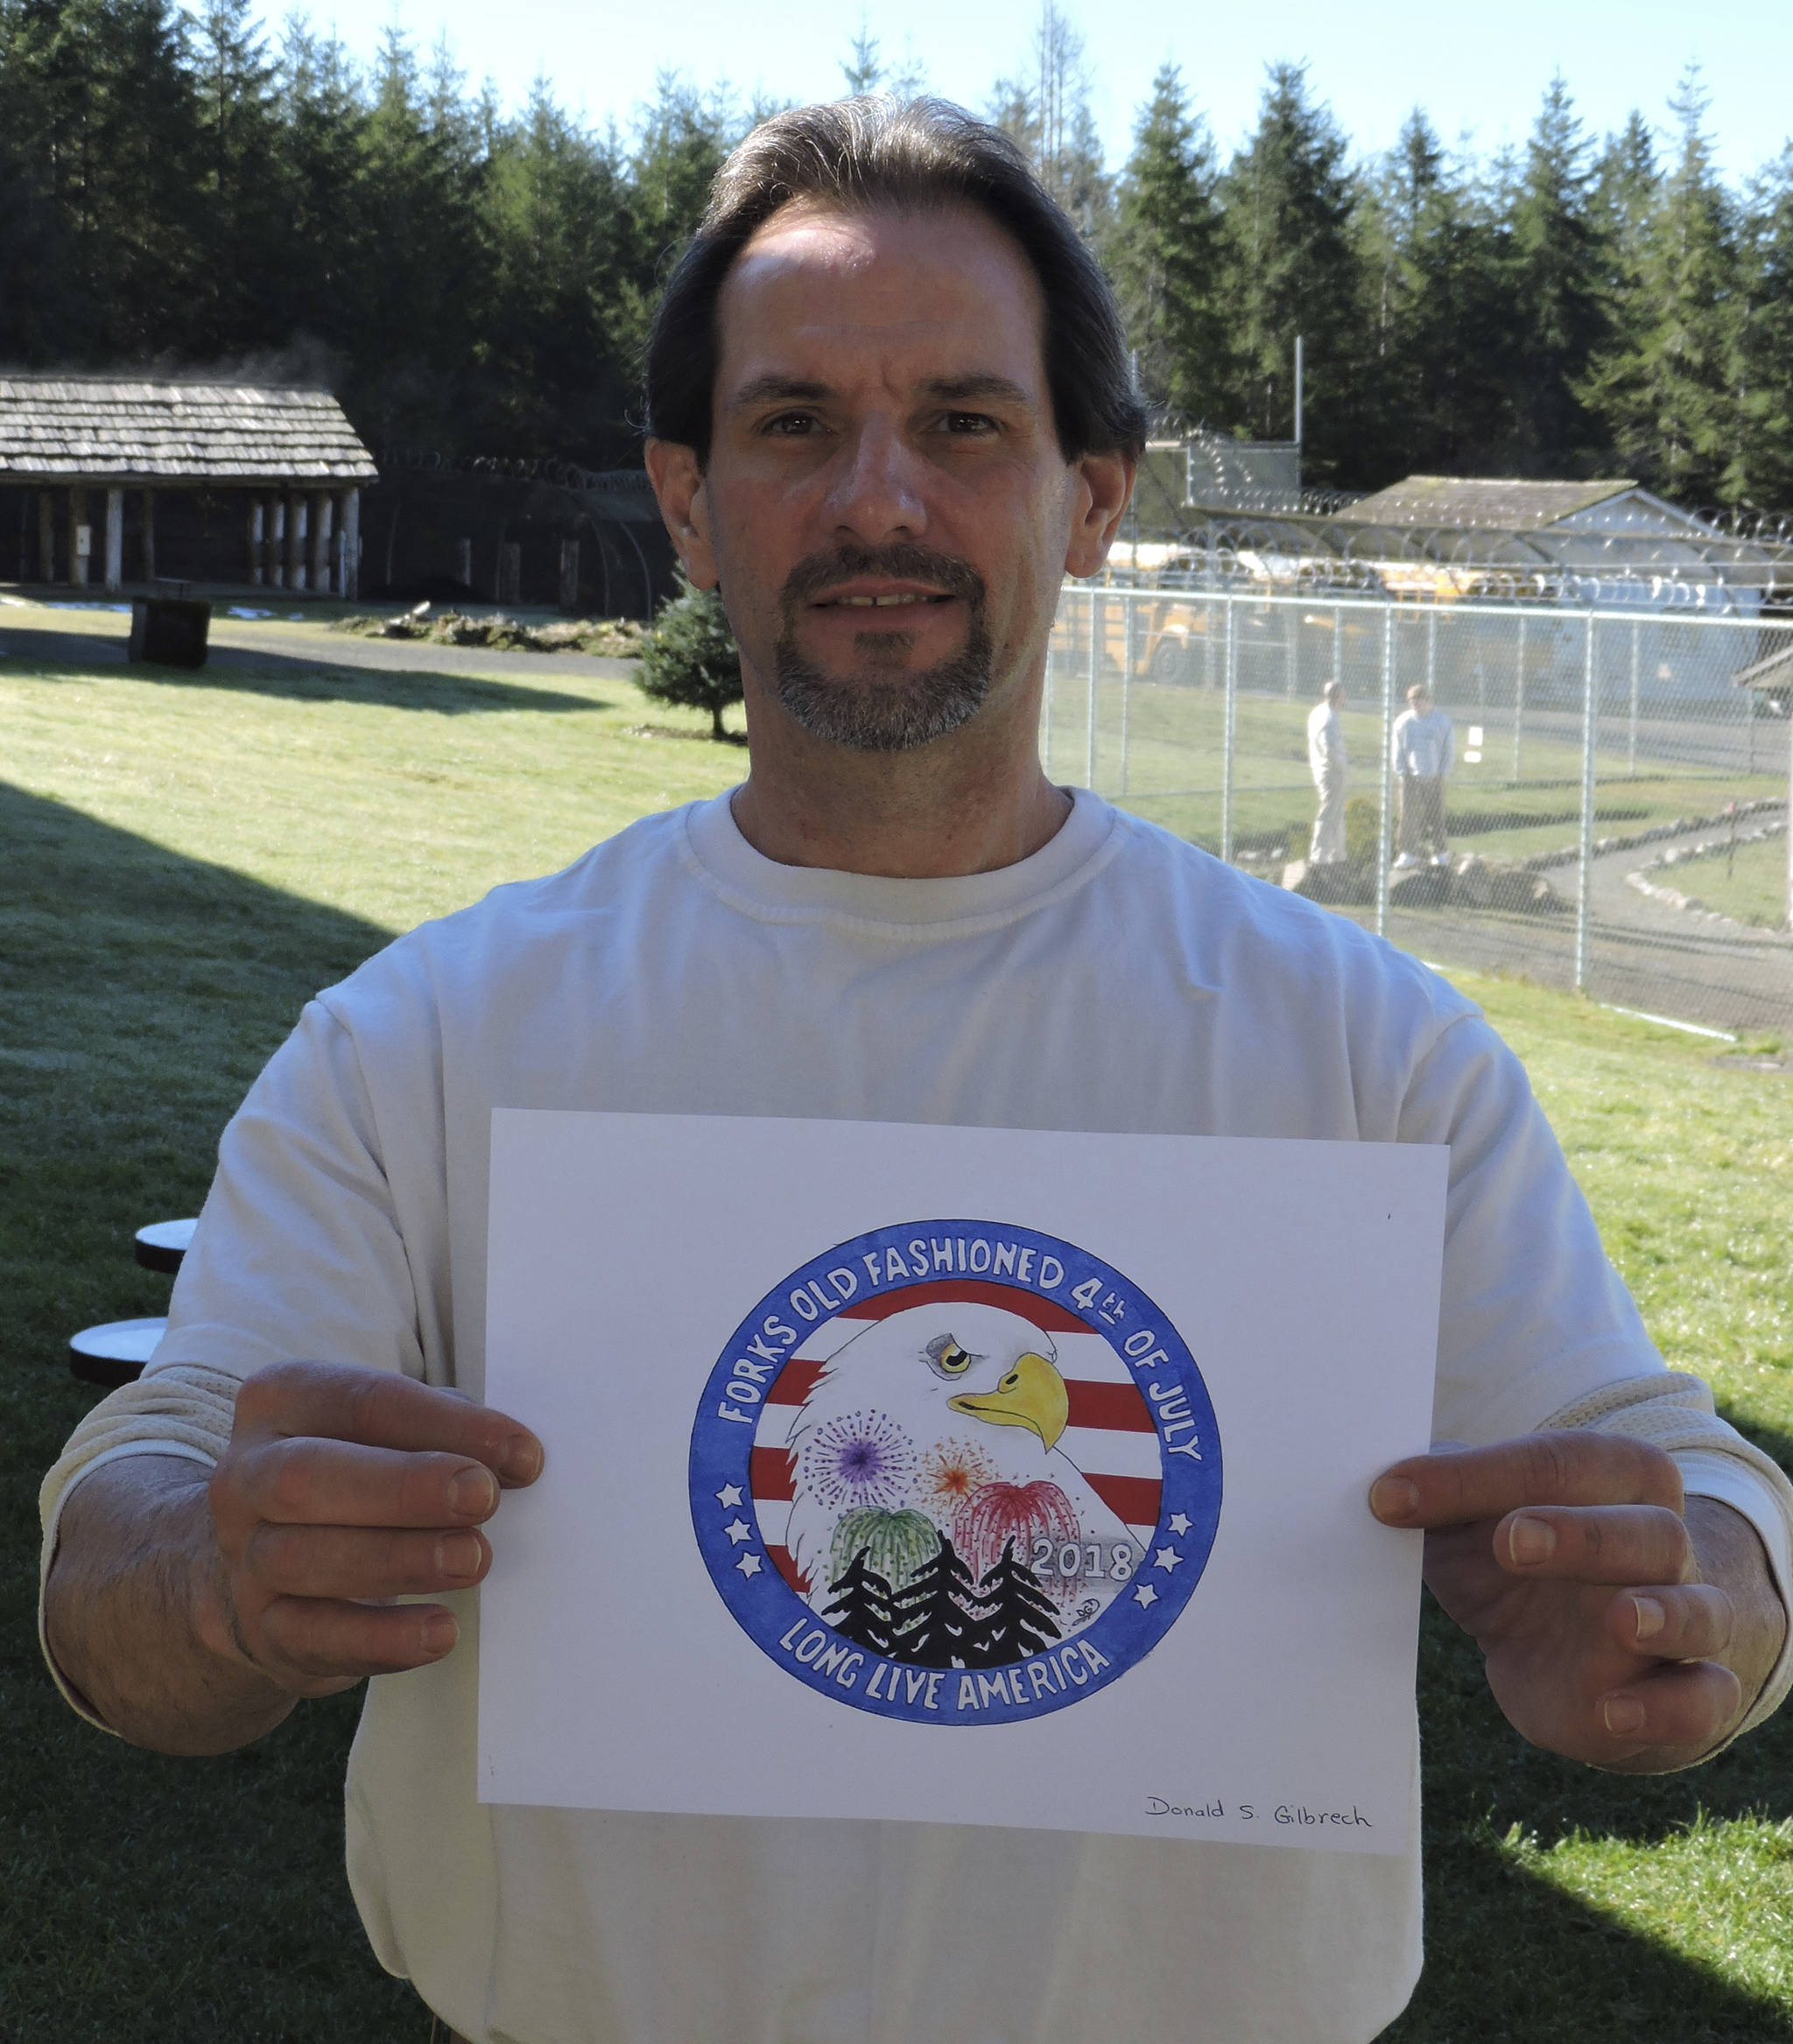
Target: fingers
[[313, 1645], [1567, 1467], [351, 1561], [1687, 1709], [1608, 1543], [341, 1483], [382, 1410], [1682, 1622]]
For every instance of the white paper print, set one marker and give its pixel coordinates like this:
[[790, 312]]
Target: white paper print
[[973, 1475]]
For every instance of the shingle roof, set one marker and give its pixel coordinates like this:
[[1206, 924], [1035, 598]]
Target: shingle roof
[[1776, 671], [1510, 505], [103, 429]]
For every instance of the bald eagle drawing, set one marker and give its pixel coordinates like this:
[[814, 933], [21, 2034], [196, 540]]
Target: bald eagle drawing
[[931, 1439]]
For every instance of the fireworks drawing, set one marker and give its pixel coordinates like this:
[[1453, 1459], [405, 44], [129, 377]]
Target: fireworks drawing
[[951, 1471], [895, 1544], [999, 1513], [858, 1460]]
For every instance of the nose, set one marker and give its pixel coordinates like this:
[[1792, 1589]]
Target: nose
[[876, 493]]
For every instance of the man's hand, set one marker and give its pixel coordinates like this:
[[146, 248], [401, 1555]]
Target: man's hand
[[341, 1486], [1620, 1625]]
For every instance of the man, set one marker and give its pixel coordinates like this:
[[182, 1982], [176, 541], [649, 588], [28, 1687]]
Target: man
[[1426, 749], [1327, 762], [890, 406]]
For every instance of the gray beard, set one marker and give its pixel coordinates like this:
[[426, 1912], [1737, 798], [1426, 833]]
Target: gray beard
[[882, 707], [895, 711]]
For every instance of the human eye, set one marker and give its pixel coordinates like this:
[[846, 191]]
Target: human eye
[[968, 424], [792, 426]]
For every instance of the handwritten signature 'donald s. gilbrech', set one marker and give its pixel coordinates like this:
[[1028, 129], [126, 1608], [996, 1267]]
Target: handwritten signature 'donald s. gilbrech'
[[1282, 1813]]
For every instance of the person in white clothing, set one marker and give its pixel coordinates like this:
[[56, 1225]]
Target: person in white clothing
[[1327, 761], [1424, 743], [889, 406]]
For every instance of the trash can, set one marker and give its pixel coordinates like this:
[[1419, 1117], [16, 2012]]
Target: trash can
[[170, 630]]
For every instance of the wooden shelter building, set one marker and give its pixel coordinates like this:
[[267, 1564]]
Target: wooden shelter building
[[82, 446]]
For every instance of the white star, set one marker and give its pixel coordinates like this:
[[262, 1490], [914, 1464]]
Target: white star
[[737, 1531], [1145, 1595], [749, 1564], [1167, 1557], [728, 1496], [1179, 1523]]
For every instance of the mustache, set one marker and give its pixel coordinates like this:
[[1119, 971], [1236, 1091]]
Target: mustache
[[903, 560]]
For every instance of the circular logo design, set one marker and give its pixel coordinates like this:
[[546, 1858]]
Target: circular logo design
[[956, 1472]]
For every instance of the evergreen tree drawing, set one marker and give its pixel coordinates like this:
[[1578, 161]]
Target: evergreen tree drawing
[[1016, 1617], [861, 1610], [935, 1613]]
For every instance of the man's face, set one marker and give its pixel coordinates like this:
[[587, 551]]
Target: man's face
[[1417, 700], [885, 508]]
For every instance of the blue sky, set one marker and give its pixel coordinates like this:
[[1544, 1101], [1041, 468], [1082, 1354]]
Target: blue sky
[[1478, 72]]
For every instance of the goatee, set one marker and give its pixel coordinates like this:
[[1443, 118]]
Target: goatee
[[886, 707]]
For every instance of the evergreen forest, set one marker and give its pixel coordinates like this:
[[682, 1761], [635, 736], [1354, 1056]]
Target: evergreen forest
[[189, 191]]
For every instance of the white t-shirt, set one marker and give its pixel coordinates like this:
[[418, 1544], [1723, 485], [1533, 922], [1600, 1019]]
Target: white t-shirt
[[1326, 741], [1118, 979], [1425, 747]]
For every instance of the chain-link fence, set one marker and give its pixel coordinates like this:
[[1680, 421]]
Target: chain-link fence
[[1614, 818]]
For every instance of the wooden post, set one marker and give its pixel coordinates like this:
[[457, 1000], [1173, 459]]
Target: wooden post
[[295, 541], [276, 542], [114, 539], [511, 572], [80, 538], [47, 537], [351, 545], [256, 536], [569, 576], [149, 540], [320, 541], [463, 564]]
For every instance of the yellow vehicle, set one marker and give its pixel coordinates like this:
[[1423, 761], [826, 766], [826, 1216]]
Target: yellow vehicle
[[1169, 633]]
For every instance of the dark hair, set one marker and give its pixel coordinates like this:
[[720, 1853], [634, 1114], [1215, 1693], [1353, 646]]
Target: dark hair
[[864, 154]]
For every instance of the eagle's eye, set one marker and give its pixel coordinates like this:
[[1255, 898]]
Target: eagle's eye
[[946, 1358]]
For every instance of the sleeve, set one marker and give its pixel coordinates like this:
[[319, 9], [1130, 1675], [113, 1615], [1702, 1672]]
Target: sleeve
[[299, 1251], [186, 1412], [1536, 1328]]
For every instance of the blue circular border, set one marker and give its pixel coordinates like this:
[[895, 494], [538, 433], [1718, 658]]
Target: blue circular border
[[770, 1612]]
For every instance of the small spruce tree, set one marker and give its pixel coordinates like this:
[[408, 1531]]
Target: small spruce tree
[[861, 1610], [690, 657], [934, 1613], [1018, 1618]]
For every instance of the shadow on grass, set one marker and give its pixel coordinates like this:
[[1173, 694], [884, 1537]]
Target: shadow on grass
[[70, 655], [1511, 1956], [144, 1898]]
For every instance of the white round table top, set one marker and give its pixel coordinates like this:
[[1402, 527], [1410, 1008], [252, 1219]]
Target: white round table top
[[121, 1341], [168, 1234]]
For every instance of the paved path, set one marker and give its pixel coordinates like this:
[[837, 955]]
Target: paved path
[[97, 637], [1642, 953]]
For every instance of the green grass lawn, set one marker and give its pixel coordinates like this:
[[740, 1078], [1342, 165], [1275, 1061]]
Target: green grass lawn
[[188, 857], [1750, 887]]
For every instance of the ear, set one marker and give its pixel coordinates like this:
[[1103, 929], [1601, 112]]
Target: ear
[[679, 487], [1101, 486]]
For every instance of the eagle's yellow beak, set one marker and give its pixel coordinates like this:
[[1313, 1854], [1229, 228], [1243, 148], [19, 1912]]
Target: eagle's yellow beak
[[1032, 1395]]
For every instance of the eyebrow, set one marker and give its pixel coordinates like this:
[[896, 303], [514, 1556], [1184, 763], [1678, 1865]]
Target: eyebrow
[[965, 389]]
